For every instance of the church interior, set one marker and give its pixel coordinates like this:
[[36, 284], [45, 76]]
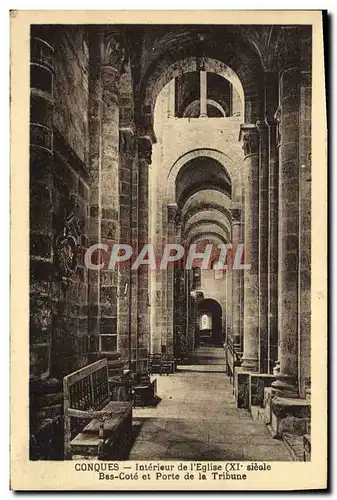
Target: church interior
[[179, 134]]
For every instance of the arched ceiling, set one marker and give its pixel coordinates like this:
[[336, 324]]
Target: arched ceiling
[[229, 167], [164, 46], [201, 236], [199, 174], [206, 210], [206, 196], [207, 228], [207, 218]]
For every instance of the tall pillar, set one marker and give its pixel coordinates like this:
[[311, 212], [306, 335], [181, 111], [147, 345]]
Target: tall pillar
[[127, 336], [45, 397], [273, 246], [272, 98], [203, 93], [305, 197], [249, 134], [144, 160], [171, 238], [236, 280], [112, 65], [41, 185], [263, 248], [286, 383]]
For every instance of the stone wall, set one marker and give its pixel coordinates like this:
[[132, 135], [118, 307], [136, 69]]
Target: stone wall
[[70, 182], [71, 87]]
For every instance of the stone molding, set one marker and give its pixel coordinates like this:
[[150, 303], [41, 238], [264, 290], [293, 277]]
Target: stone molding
[[250, 139], [113, 48], [127, 142], [172, 212], [145, 149], [235, 215]]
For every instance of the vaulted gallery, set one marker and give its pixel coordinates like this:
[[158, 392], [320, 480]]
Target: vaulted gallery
[[182, 135]]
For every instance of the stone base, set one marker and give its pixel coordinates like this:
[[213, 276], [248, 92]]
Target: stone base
[[289, 415], [257, 384], [249, 388], [241, 388]]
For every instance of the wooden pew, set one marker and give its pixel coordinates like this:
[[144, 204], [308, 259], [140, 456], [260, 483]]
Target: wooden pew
[[94, 426], [160, 363]]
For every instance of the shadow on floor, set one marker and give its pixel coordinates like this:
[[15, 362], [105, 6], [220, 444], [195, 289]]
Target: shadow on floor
[[198, 370], [169, 439]]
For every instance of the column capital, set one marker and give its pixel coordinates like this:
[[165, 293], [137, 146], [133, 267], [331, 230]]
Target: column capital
[[278, 119], [249, 135], [145, 149], [262, 126], [172, 209], [113, 47], [235, 215], [127, 141]]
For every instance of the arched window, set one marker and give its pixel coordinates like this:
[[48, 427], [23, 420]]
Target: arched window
[[206, 322]]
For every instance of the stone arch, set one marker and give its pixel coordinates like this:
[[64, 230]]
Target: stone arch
[[206, 196], [193, 106], [166, 70], [208, 228], [222, 158], [200, 218], [213, 236], [205, 207]]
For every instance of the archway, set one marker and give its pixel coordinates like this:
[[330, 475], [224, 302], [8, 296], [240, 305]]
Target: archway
[[210, 323]]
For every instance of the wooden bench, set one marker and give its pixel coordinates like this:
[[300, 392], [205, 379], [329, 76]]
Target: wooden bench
[[94, 426], [160, 364]]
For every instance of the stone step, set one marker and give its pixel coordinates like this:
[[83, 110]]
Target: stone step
[[294, 443]]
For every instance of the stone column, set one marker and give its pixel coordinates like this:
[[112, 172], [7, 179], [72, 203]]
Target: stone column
[[112, 65], [180, 309], [127, 337], [242, 280], [272, 98], [286, 383], [249, 134], [45, 396], [263, 247], [171, 238], [144, 160], [236, 280], [273, 246], [134, 243], [305, 197], [41, 185], [203, 94]]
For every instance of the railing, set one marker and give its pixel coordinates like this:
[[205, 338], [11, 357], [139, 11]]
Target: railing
[[233, 356]]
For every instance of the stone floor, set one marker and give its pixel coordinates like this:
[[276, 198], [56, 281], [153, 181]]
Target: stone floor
[[197, 419]]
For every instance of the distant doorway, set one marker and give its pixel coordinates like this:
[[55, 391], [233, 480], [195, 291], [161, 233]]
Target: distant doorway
[[210, 322]]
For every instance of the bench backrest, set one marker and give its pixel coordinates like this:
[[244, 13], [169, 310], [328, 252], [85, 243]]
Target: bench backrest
[[86, 389]]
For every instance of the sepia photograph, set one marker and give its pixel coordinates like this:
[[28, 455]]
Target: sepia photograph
[[170, 246]]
